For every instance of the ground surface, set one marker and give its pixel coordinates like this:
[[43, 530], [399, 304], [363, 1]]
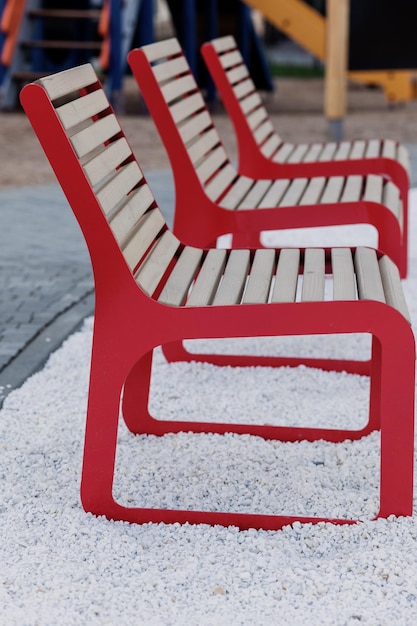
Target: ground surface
[[296, 107]]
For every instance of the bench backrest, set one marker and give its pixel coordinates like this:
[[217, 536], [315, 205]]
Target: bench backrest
[[100, 176], [181, 116], [240, 96]]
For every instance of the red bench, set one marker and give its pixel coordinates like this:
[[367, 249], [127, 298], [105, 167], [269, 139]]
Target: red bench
[[151, 289], [213, 199]]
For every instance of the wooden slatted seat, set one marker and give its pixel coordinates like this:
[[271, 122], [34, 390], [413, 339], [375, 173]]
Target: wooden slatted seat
[[263, 153], [213, 199], [151, 289]]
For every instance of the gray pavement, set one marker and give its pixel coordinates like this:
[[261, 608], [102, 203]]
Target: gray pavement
[[46, 283]]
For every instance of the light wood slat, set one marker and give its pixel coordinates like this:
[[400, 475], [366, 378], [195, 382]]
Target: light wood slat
[[313, 276], [260, 277], [156, 263], [353, 189], [203, 145], [403, 157], [194, 126], [223, 43], [255, 195], [178, 87], [275, 193], [283, 153], [391, 282], [270, 146], [127, 216], [243, 88], [212, 163], [101, 165], [156, 51], [263, 131], [234, 278], [252, 102], [237, 192], [368, 275], [313, 191], [144, 233], [170, 69], [313, 153], [294, 192], [285, 287], [229, 59], [343, 151], [236, 74], [98, 133], [328, 152], [178, 283], [372, 149], [187, 107], [68, 81], [391, 199], [257, 117], [218, 185], [344, 282], [358, 149], [119, 186], [389, 148], [373, 188], [333, 190], [299, 153], [208, 279], [82, 109]]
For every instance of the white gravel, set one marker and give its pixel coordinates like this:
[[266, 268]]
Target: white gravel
[[59, 565]]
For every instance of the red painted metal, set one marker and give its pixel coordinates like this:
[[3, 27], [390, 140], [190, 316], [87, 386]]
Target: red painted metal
[[129, 324]]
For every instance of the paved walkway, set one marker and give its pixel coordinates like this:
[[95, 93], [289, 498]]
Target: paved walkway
[[46, 283]]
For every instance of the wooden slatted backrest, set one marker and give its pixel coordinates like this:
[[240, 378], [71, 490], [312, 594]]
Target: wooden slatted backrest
[[99, 174], [239, 94], [177, 106]]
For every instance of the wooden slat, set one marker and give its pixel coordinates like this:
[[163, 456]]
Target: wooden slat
[[271, 145], [313, 276], [343, 151], [187, 107], [353, 189], [98, 133], [260, 277], [219, 183], [106, 161], [313, 153], [276, 191], [157, 261], [251, 103], [119, 186], [208, 279], [373, 188], [229, 59], [258, 116], [299, 153], [194, 126], [294, 192], [255, 195], [236, 74], [211, 164], [243, 88], [391, 283], [403, 157], [373, 148], [368, 275], [178, 87], [234, 278], [170, 69], [344, 283], [391, 199], [285, 287], [389, 149], [68, 81], [146, 230], [333, 190], [82, 109], [313, 191], [358, 149], [283, 153], [203, 145], [178, 283], [329, 151], [263, 131], [124, 220], [161, 49], [237, 192], [223, 43]]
